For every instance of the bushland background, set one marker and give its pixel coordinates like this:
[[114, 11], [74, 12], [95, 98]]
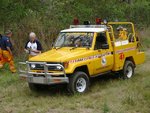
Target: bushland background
[[108, 94], [47, 17]]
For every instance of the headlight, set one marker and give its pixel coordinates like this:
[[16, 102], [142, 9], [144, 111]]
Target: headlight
[[58, 67], [33, 66]]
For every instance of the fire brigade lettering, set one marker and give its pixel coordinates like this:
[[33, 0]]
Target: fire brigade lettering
[[90, 57]]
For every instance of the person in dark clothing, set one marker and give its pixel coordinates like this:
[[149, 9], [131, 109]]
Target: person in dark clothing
[[6, 51], [0, 50]]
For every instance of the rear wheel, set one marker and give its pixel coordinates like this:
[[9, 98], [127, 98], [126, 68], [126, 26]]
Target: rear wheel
[[128, 70], [78, 82]]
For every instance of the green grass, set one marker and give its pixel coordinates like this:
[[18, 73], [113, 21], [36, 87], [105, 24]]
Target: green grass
[[106, 95]]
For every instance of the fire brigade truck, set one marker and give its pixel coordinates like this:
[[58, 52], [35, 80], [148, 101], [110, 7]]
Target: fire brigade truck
[[85, 51]]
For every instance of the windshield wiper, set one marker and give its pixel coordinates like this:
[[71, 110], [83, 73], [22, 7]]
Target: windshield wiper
[[55, 47], [87, 47], [59, 47], [73, 47]]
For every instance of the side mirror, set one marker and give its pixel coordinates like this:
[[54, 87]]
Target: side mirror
[[53, 42], [105, 46]]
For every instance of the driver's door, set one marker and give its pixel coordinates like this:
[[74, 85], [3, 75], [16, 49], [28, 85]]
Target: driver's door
[[103, 61]]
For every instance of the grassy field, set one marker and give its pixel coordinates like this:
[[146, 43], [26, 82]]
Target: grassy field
[[107, 95]]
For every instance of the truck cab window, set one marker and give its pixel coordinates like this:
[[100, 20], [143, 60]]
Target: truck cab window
[[100, 40]]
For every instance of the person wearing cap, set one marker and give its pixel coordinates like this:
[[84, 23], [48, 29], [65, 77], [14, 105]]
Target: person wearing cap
[[33, 46], [122, 33], [6, 48]]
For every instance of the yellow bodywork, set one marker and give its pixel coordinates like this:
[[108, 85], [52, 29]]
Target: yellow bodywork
[[97, 61]]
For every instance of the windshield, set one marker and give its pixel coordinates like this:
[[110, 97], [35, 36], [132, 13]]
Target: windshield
[[74, 39]]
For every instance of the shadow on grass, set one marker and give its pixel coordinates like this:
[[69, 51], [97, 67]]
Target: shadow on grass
[[105, 79], [51, 90]]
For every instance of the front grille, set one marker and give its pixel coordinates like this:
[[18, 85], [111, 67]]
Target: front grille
[[41, 66]]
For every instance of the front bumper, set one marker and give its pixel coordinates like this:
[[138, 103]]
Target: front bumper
[[44, 76]]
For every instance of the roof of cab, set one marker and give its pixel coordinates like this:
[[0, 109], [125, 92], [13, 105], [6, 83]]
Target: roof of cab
[[84, 30]]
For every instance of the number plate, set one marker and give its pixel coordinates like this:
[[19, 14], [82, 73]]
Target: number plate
[[36, 80]]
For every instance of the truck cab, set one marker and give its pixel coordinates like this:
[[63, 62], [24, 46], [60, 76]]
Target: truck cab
[[82, 52]]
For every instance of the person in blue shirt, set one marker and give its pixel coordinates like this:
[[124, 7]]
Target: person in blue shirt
[[6, 48], [0, 50]]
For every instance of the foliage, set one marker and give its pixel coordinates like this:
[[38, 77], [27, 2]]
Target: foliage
[[47, 17]]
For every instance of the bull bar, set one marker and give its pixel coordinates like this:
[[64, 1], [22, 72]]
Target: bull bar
[[44, 76]]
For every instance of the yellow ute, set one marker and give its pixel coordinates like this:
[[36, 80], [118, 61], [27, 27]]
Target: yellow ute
[[85, 51]]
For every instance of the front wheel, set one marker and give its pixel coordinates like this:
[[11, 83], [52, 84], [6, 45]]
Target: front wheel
[[78, 82], [128, 70]]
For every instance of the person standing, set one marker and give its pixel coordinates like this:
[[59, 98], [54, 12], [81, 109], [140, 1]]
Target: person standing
[[0, 51], [33, 46], [6, 50]]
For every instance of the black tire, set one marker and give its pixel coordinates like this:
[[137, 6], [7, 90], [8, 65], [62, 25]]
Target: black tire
[[78, 83], [35, 87], [128, 70]]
